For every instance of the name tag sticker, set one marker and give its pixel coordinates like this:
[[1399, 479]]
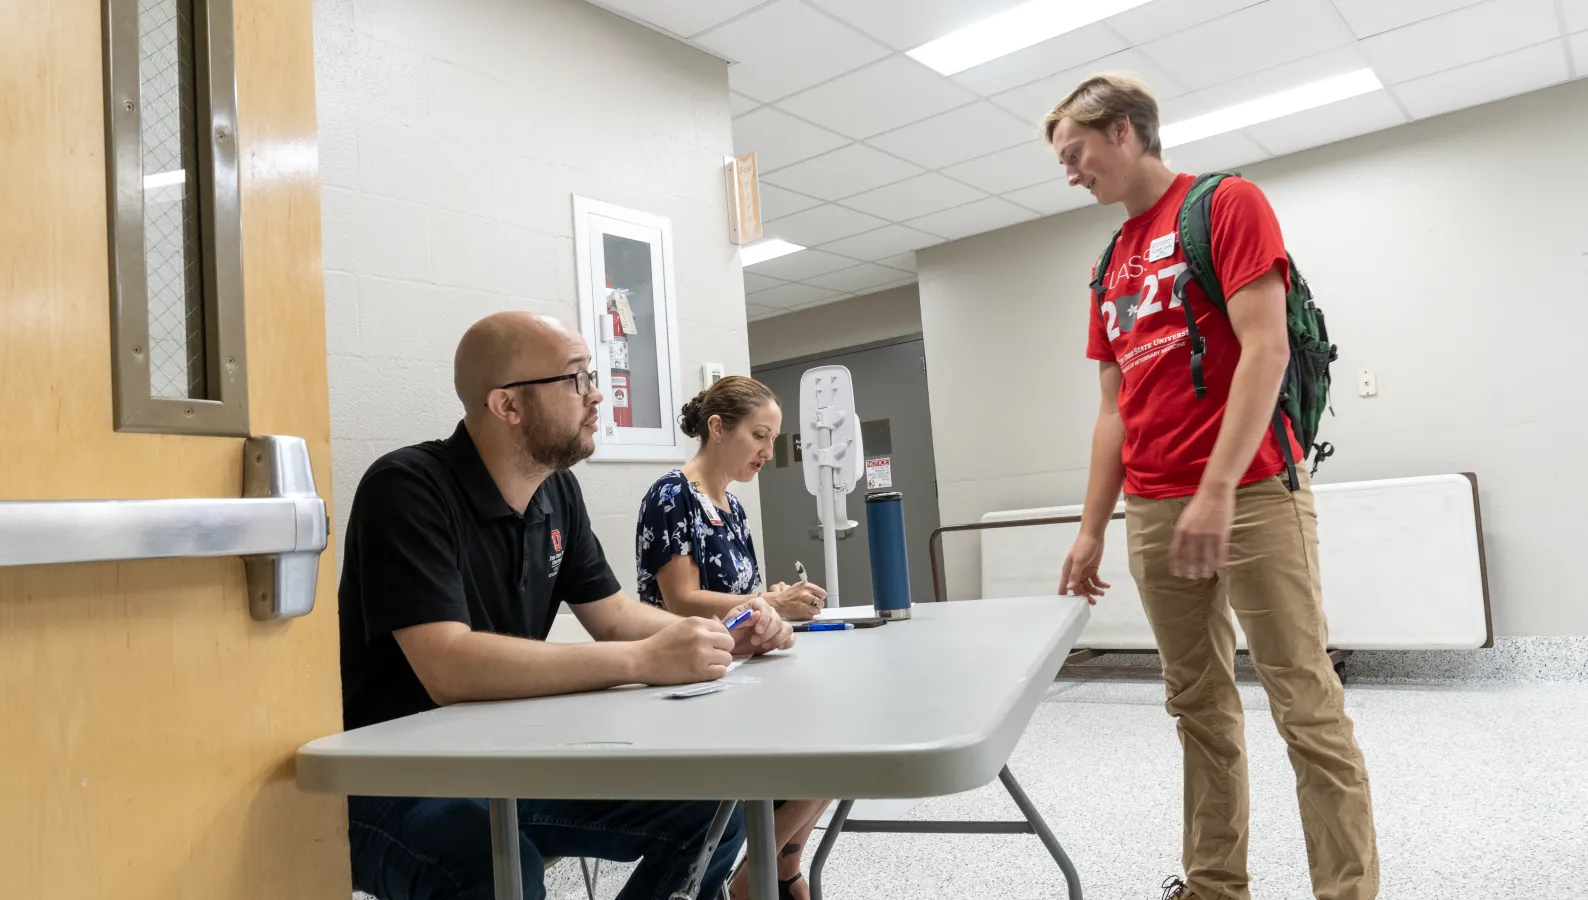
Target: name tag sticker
[[1161, 248], [712, 515]]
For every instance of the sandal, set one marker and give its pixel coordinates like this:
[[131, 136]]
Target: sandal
[[784, 888]]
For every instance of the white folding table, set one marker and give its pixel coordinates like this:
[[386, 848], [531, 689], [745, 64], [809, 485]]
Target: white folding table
[[933, 705]]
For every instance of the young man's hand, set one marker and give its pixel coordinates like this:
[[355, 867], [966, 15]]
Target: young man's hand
[[1202, 535], [764, 631], [1080, 569]]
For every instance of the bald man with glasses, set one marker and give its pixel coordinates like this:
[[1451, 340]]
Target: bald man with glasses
[[458, 555]]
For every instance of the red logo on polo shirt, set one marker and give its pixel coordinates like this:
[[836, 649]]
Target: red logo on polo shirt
[[556, 540]]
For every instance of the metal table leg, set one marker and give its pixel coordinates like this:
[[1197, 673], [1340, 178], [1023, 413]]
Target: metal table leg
[[835, 826], [697, 872], [505, 865], [1044, 834], [1033, 824], [762, 847]]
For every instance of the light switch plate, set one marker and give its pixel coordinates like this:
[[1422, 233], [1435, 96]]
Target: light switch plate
[[1366, 383], [710, 372]]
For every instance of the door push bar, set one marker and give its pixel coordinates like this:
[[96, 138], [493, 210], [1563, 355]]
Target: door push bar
[[279, 528]]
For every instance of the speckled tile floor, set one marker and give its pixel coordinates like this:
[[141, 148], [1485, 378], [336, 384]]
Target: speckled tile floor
[[1481, 791]]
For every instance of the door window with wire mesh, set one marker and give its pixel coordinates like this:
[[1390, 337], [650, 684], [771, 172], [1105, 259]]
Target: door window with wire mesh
[[178, 337], [172, 251]]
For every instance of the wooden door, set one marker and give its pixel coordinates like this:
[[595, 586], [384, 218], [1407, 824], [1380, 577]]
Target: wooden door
[[147, 723]]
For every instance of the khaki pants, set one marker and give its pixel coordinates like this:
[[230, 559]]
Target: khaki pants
[[1271, 581]]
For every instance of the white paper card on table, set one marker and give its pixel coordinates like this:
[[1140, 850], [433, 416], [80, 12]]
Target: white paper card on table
[[700, 688], [845, 613]]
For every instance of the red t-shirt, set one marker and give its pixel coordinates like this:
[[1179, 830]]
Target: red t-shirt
[[1169, 431]]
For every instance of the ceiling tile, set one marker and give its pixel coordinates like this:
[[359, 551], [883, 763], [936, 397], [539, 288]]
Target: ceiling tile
[[1255, 38], [1033, 101], [878, 98], [1579, 52], [843, 173], [1370, 17], [1224, 151], [1576, 18], [739, 104], [1465, 36], [1055, 54], [1493, 79], [772, 49], [754, 282], [905, 24], [904, 262], [757, 313], [914, 197], [973, 218], [1178, 109], [821, 225], [952, 137], [860, 278], [788, 296], [1008, 170], [682, 17], [798, 266], [1286, 75], [1165, 17], [1052, 198], [1327, 124], [874, 245], [779, 139], [777, 203]]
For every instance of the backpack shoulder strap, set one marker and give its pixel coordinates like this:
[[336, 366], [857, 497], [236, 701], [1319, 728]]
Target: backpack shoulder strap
[[1100, 271], [1195, 233], [1196, 237]]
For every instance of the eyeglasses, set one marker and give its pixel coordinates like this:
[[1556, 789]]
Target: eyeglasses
[[583, 382]]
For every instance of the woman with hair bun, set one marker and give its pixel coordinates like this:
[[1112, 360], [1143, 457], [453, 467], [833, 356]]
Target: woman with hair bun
[[696, 556]]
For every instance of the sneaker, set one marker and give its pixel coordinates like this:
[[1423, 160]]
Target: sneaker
[[1176, 889]]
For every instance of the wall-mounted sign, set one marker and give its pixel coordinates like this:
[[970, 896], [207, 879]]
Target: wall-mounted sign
[[879, 473], [744, 200]]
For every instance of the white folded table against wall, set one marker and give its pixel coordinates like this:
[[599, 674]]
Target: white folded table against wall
[[1402, 563]]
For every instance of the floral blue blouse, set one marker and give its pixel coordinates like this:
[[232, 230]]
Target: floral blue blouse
[[674, 521]]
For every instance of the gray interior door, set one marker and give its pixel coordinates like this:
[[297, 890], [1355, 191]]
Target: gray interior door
[[896, 422]]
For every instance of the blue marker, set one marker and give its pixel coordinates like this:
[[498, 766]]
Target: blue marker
[[738, 620], [824, 626]]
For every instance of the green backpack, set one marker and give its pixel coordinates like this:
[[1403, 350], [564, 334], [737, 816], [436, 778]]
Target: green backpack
[[1304, 393]]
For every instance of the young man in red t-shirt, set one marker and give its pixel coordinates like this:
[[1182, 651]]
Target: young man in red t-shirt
[[1211, 520]]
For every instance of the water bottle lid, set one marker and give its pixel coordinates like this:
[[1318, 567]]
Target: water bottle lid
[[884, 497]]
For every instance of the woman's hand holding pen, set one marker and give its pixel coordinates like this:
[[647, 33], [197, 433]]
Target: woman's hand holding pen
[[797, 602]]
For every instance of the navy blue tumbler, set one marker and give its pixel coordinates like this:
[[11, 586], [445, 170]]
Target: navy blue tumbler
[[890, 562]]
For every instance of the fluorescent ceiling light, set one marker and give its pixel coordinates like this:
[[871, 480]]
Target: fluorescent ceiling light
[[761, 251], [162, 179], [1014, 29], [1273, 106]]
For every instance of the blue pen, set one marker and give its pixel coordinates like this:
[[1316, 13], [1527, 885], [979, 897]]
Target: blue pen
[[825, 626], [738, 620]]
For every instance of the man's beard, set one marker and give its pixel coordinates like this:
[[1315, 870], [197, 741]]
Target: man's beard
[[543, 447]]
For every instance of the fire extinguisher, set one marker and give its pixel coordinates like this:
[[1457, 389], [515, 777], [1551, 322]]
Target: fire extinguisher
[[618, 355]]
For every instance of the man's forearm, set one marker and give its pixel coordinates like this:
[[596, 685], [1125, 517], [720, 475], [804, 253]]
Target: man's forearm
[[1106, 475], [483, 666], [1253, 392], [632, 621]]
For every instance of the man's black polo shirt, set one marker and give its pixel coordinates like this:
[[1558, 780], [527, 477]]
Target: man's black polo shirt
[[430, 539]]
